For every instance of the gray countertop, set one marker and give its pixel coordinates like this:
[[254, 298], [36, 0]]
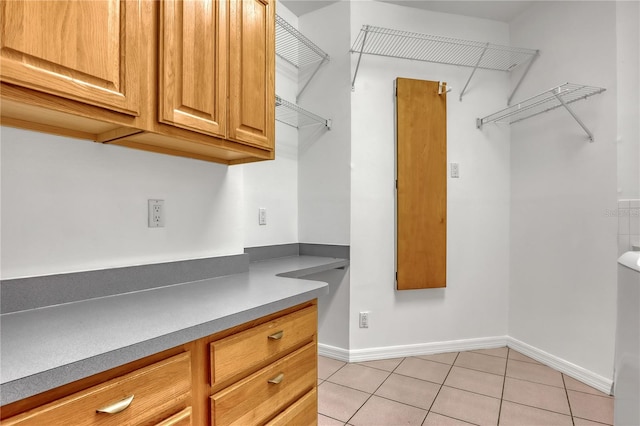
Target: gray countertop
[[44, 348]]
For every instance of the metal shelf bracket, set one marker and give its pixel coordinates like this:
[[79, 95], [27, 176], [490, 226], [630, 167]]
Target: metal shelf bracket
[[560, 96]]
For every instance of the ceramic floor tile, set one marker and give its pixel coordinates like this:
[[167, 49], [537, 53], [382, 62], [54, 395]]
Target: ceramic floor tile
[[328, 366], [534, 373], [434, 419], [328, 421], [573, 384], [445, 358], [536, 395], [359, 377], [467, 406], [383, 364], [591, 407], [475, 381], [583, 422], [519, 415], [499, 352], [339, 402], [517, 356], [422, 369], [410, 391], [381, 411], [481, 362]]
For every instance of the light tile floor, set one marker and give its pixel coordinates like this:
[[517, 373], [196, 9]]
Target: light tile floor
[[485, 387]]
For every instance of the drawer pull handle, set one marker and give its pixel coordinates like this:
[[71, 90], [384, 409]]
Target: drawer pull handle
[[277, 336], [277, 379], [117, 407]]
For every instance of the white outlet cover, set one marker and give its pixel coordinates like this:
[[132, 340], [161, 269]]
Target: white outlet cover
[[156, 213]]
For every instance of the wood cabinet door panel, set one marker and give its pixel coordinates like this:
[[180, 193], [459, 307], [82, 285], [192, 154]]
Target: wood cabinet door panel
[[422, 184], [192, 60], [252, 72], [80, 50]]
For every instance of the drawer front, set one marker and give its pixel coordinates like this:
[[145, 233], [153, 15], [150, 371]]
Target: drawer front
[[267, 392], [183, 418], [241, 351], [158, 390], [303, 412]]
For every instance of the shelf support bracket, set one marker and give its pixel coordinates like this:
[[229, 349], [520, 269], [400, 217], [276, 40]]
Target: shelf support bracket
[[524, 74], [325, 59], [474, 69], [573, 114], [355, 74]]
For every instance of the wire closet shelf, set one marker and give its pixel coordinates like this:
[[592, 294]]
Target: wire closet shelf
[[559, 96], [297, 50], [380, 41], [295, 116]]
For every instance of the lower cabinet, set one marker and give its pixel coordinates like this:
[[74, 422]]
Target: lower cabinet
[[262, 372]]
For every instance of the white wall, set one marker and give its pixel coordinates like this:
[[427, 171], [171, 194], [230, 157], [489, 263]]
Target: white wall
[[628, 75], [563, 244], [324, 156], [273, 185], [474, 304], [73, 205]]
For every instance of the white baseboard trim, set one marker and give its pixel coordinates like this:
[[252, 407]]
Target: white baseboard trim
[[371, 354], [581, 374], [387, 352]]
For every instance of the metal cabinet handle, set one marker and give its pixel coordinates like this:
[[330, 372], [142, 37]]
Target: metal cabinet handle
[[117, 407], [277, 379], [277, 336]]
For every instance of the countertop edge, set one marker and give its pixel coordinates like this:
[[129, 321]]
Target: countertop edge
[[34, 384]]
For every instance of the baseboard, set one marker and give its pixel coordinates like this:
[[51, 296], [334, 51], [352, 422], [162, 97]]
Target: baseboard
[[581, 374], [371, 354], [387, 352]]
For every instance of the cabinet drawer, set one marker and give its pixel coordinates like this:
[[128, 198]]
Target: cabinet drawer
[[183, 418], [158, 390], [302, 412], [265, 393], [241, 351]]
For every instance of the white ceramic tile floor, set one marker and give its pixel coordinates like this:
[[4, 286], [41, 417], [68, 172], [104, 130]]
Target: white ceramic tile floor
[[485, 387]]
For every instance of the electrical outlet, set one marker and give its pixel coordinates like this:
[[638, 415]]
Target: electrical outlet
[[262, 216], [455, 170], [364, 319], [156, 213]]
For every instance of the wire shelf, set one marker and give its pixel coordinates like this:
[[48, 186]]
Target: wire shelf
[[296, 49], [295, 116], [442, 50], [559, 96]]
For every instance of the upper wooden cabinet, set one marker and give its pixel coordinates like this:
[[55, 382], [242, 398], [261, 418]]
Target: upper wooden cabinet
[[190, 78], [252, 72], [193, 65], [82, 50]]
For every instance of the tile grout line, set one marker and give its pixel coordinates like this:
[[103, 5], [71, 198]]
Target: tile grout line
[[371, 394], [442, 384], [504, 382], [566, 392]]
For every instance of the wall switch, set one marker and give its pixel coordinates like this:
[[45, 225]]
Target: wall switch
[[364, 319], [156, 213], [455, 170], [262, 216]]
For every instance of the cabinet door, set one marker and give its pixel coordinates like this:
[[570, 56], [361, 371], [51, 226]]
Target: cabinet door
[[81, 50], [421, 205], [193, 66], [252, 72]]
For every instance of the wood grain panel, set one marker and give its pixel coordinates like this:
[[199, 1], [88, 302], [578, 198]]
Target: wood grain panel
[[255, 400], [422, 184], [234, 354], [252, 72], [82, 50], [193, 65], [159, 391]]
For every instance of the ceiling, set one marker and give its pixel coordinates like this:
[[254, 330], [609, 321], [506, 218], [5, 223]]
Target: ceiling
[[498, 10]]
